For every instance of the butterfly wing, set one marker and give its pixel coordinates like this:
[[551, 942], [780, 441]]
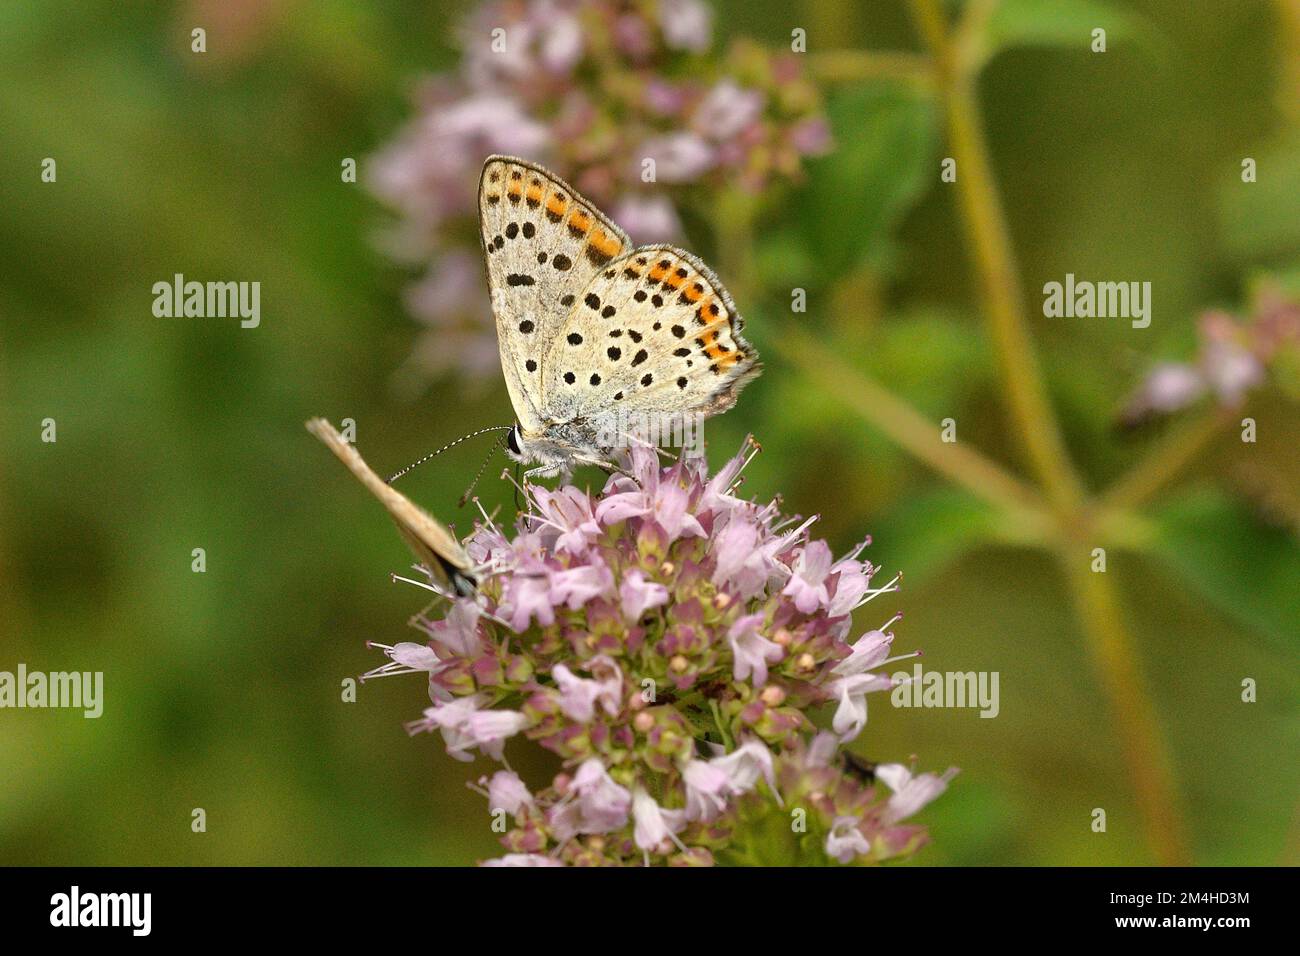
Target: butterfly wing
[[542, 243], [654, 331], [432, 544]]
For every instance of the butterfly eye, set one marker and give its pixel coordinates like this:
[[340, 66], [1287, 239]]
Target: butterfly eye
[[512, 441]]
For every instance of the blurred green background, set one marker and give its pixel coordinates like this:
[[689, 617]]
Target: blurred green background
[[223, 688]]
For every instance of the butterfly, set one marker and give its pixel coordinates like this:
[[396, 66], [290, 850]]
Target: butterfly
[[429, 540], [593, 332]]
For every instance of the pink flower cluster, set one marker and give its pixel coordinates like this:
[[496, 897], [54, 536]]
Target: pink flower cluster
[[669, 641], [1234, 357], [593, 89]]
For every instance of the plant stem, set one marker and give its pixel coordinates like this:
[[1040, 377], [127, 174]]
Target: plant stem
[[1149, 764], [1094, 600], [1288, 81], [855, 66], [1166, 460], [721, 725], [913, 431], [996, 269]]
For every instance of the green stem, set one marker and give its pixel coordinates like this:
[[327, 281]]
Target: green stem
[[996, 269], [856, 66], [913, 431], [1095, 602], [1288, 38], [721, 725], [1112, 650], [1166, 460]]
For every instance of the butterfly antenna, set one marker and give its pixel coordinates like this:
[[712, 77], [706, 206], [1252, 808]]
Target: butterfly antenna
[[481, 468], [453, 444]]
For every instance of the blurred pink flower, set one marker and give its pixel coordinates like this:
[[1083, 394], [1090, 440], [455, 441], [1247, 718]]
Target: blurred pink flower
[[687, 24], [1234, 357], [647, 218], [726, 110], [678, 157]]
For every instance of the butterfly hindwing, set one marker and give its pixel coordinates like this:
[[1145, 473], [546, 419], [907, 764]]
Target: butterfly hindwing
[[652, 331], [543, 243]]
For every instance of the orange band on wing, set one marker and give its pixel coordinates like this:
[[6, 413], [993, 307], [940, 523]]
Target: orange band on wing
[[556, 207], [605, 243], [579, 223]]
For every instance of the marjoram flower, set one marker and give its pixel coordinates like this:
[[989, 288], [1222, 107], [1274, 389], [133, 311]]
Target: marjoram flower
[[673, 645]]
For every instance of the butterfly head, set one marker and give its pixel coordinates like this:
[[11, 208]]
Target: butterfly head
[[514, 443], [554, 449]]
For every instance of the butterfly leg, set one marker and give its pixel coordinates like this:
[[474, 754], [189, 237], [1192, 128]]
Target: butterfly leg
[[543, 471], [608, 468]]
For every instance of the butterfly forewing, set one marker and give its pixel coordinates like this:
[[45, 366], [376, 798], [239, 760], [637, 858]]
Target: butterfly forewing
[[543, 244], [652, 331], [432, 543]]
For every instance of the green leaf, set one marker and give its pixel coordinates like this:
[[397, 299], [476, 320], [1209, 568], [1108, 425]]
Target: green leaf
[[1261, 220], [933, 357], [1061, 24], [1246, 569], [929, 530], [885, 143]]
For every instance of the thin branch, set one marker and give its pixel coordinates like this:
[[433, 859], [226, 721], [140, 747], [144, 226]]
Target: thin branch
[[1116, 660], [996, 269], [1164, 462], [902, 423], [989, 240], [854, 66]]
